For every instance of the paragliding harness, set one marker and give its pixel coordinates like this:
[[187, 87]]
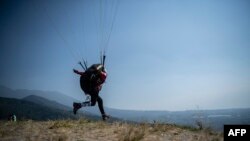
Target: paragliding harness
[[90, 80]]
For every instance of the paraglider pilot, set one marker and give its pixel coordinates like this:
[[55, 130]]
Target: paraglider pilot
[[91, 82]]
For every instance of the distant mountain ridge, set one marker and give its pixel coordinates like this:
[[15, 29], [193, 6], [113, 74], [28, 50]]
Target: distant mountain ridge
[[29, 110], [213, 118], [37, 110], [46, 102], [51, 104], [50, 95]]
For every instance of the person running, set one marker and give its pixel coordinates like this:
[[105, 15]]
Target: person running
[[91, 82]]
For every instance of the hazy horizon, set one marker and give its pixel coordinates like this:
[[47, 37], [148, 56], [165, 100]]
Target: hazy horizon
[[197, 108], [162, 55]]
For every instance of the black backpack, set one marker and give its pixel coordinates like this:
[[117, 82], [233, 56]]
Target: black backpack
[[92, 74]]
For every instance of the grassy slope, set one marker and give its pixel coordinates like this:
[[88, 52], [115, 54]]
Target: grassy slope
[[87, 130]]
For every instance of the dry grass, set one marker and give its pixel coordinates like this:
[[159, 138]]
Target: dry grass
[[132, 133], [87, 130], [61, 124]]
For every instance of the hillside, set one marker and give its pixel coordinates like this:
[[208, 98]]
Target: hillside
[[29, 110], [87, 130], [50, 95], [46, 102], [214, 119]]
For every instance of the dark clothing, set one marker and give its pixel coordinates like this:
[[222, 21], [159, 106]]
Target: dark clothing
[[86, 85], [95, 98], [93, 91], [92, 79], [91, 82]]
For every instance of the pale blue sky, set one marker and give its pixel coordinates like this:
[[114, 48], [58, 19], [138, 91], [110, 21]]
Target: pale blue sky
[[162, 54]]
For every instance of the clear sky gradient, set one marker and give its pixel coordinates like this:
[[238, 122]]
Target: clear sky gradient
[[162, 54]]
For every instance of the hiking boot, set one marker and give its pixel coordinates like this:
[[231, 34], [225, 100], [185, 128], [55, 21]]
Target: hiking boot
[[76, 106], [105, 117]]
